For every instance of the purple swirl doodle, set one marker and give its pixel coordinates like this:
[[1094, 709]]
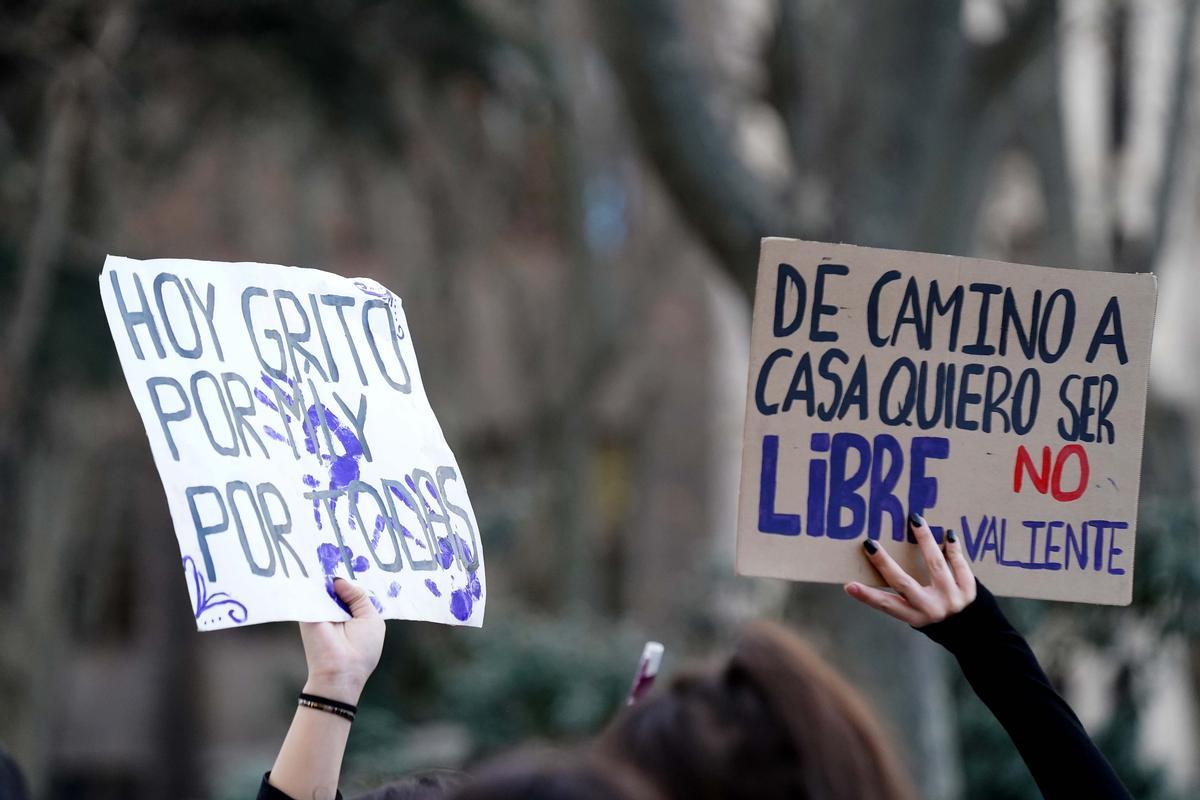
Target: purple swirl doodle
[[366, 289], [382, 294], [206, 602]]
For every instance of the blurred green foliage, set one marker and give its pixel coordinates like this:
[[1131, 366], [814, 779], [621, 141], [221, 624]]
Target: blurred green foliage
[[993, 770], [1166, 592], [520, 678]]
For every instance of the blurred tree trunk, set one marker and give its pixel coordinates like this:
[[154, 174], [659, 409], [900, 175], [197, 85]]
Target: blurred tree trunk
[[176, 695], [70, 99], [902, 148], [1143, 254], [39, 643], [573, 441], [43, 517], [1172, 461]]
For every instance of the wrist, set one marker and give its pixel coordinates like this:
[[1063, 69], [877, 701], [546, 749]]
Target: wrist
[[340, 687]]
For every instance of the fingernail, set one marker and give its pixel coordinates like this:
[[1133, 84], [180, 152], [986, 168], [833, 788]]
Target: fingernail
[[951, 537], [870, 546], [915, 520]]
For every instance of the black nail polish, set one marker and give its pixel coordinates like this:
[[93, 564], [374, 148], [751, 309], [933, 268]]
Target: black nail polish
[[951, 537], [915, 520], [870, 546]]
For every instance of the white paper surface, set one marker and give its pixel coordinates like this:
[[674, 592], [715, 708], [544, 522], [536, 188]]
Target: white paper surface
[[287, 417]]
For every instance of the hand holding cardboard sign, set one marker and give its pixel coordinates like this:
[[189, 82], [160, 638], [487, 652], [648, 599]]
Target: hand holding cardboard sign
[[951, 587], [342, 655]]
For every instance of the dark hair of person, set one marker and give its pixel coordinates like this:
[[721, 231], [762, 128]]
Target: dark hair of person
[[434, 784], [551, 775], [12, 782], [772, 721]]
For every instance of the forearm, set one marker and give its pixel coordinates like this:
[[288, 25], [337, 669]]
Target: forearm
[[309, 763], [1005, 674]]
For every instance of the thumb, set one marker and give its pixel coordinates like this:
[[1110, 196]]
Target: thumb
[[355, 598]]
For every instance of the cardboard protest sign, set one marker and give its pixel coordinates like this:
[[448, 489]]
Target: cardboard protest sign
[[1001, 401], [290, 426]]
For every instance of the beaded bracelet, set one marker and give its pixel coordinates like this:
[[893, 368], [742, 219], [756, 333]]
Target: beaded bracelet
[[336, 707]]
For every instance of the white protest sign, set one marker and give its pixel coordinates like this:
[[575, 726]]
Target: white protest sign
[[295, 442], [1004, 402]]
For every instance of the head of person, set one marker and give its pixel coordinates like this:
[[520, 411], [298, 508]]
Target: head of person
[[555, 775], [771, 721], [431, 785]]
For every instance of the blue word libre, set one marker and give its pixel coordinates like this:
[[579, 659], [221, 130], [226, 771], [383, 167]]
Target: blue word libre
[[843, 503]]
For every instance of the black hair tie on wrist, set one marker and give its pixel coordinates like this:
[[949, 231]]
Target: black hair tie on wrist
[[335, 707]]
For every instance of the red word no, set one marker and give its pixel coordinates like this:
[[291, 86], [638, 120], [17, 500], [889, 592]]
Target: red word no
[[1046, 479]]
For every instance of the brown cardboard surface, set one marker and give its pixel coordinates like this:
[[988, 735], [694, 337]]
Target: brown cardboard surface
[[1011, 535]]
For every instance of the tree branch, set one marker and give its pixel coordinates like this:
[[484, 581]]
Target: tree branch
[[693, 153], [70, 98], [1143, 256], [968, 135]]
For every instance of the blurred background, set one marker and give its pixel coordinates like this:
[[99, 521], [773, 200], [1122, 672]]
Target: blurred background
[[568, 195]]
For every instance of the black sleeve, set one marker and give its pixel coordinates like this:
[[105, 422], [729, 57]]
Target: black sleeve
[[1006, 676], [268, 792]]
